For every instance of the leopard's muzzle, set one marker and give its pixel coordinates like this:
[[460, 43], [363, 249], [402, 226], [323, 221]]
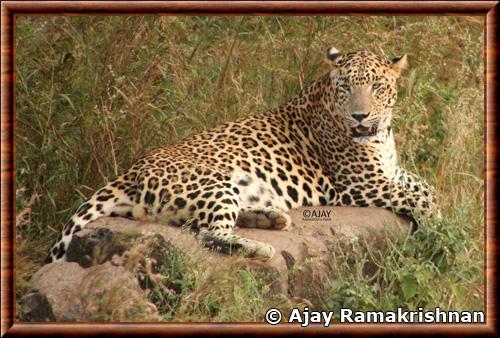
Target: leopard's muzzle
[[361, 131]]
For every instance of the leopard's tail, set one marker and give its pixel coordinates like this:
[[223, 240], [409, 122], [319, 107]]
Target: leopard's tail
[[117, 198]]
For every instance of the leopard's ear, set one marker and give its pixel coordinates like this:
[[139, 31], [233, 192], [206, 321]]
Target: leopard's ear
[[332, 53], [398, 64]]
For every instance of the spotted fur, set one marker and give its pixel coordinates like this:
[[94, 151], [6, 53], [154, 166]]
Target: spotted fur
[[332, 144]]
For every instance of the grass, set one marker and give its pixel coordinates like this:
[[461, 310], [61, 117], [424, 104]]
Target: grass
[[93, 94]]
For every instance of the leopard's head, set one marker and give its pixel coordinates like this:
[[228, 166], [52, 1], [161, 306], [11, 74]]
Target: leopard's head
[[362, 91]]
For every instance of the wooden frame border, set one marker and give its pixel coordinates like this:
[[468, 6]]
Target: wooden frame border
[[9, 9]]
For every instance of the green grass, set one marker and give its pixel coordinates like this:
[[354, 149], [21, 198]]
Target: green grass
[[93, 94]]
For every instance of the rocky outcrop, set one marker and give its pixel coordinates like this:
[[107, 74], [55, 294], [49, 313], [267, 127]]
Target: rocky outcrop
[[99, 293], [114, 263]]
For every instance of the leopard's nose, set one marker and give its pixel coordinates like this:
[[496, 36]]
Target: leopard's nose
[[359, 117]]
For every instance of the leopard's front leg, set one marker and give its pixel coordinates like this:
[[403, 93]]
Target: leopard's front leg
[[405, 194], [420, 196]]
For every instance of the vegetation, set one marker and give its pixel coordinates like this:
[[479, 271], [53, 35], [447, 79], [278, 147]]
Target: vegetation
[[93, 94]]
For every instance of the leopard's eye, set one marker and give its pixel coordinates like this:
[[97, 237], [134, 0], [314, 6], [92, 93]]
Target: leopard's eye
[[345, 87], [376, 85]]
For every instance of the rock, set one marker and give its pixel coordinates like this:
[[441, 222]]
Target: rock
[[303, 252], [112, 257], [36, 308], [66, 292], [112, 293], [57, 283]]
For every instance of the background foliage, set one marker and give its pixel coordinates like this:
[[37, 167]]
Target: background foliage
[[93, 94]]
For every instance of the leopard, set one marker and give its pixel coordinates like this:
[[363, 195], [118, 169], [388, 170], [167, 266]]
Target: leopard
[[332, 144]]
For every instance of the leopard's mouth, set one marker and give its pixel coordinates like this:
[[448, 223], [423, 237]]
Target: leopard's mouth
[[361, 131]]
